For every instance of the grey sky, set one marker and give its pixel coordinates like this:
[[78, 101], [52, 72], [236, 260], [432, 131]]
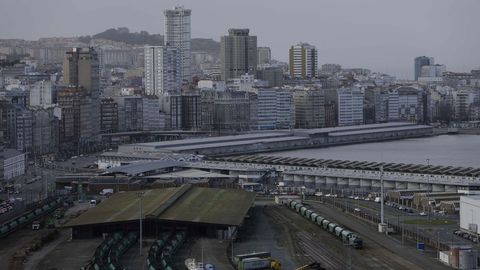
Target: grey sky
[[384, 35]]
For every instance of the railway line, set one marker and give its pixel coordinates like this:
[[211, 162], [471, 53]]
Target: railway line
[[306, 246], [382, 252]]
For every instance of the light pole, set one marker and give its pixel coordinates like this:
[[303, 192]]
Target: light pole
[[428, 189], [382, 227], [140, 195]]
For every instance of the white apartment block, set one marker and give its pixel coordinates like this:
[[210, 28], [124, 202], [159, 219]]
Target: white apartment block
[[162, 70], [41, 94], [13, 164], [303, 61], [350, 106], [275, 109]]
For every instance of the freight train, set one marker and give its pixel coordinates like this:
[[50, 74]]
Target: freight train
[[338, 231], [29, 217]]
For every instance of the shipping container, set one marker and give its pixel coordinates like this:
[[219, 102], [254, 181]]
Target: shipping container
[[444, 257]]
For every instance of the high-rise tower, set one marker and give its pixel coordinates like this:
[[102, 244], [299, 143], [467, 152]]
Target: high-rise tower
[[420, 62], [303, 59], [238, 54], [178, 34]]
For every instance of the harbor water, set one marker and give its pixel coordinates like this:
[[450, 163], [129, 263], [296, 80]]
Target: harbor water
[[448, 150]]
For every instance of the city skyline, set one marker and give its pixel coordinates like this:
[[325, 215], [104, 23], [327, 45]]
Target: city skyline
[[371, 34]]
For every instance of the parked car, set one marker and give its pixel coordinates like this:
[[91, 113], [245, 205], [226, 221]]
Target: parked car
[[422, 214]]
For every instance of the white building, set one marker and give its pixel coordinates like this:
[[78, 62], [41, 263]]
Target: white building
[[275, 109], [177, 34], [13, 163], [350, 106], [244, 83], [433, 71], [303, 61], [41, 94], [162, 70], [470, 213]]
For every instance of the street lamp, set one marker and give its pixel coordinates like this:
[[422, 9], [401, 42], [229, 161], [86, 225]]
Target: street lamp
[[140, 195], [428, 189]]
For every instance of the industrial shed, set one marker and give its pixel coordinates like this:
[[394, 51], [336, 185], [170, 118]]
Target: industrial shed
[[205, 211]]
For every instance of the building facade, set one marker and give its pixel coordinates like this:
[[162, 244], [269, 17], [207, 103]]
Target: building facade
[[272, 75], [13, 164], [109, 116], [309, 108], [81, 68], [41, 94], [419, 62], [238, 54], [162, 70], [178, 34], [45, 127], [264, 55], [350, 106], [303, 61], [275, 109]]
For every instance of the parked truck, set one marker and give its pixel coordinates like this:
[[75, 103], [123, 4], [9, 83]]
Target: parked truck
[[106, 191]]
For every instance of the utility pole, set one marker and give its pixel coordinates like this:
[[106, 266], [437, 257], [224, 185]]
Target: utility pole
[[428, 191], [140, 195], [382, 227]]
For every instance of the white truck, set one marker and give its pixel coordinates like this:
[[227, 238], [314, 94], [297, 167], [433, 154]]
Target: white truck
[[106, 191]]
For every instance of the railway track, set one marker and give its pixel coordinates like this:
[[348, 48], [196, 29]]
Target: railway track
[[305, 245]]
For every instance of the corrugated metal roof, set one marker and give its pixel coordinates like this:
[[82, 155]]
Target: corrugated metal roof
[[183, 204]]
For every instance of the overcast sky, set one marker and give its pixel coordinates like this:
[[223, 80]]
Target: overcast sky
[[383, 35]]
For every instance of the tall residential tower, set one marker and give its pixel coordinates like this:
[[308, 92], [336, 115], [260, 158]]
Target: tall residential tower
[[178, 34], [303, 59], [162, 70]]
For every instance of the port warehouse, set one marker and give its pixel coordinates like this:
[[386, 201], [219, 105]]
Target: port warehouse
[[298, 173], [201, 211], [283, 140]]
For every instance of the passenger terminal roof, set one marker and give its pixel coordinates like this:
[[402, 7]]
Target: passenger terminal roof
[[144, 166], [190, 173], [182, 204]]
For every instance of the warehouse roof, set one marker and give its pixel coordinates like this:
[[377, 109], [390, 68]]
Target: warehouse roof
[[186, 204], [211, 205]]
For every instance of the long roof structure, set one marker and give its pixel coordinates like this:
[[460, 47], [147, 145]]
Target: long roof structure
[[187, 204]]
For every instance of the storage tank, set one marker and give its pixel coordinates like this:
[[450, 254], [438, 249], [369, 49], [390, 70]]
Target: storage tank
[[467, 259], [308, 213], [338, 230], [331, 227], [325, 223], [346, 234], [319, 220]]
